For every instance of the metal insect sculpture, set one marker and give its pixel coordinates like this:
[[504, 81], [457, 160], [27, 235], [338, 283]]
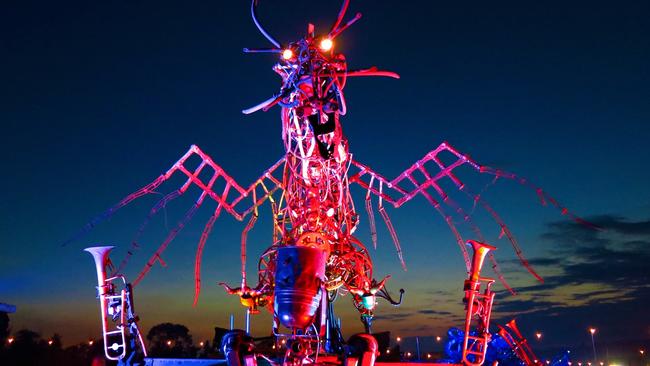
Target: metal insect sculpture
[[314, 254]]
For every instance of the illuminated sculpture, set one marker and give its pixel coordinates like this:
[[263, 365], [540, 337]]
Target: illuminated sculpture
[[507, 347], [313, 254]]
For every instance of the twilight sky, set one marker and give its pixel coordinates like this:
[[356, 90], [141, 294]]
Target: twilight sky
[[98, 99]]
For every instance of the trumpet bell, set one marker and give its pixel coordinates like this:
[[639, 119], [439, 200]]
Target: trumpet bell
[[101, 257], [480, 251]]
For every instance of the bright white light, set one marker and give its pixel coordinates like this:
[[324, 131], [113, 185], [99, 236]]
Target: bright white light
[[287, 54], [326, 44]]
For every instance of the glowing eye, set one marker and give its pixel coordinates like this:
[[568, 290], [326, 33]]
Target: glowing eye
[[326, 44], [287, 54]]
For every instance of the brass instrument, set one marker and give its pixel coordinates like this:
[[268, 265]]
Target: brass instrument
[[520, 344], [478, 306], [118, 306]]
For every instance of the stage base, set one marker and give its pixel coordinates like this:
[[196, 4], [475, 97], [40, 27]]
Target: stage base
[[222, 362]]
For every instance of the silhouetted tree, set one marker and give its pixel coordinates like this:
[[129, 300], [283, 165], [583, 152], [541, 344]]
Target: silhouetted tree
[[27, 349], [170, 340], [56, 341], [4, 328], [26, 337]]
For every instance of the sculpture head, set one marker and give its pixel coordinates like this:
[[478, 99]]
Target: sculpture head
[[311, 94], [313, 73]]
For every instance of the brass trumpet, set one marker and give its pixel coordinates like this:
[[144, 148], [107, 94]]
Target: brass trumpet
[[118, 306], [519, 344], [479, 306]]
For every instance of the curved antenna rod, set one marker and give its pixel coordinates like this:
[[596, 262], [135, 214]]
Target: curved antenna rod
[[339, 19], [259, 26], [338, 31], [384, 294]]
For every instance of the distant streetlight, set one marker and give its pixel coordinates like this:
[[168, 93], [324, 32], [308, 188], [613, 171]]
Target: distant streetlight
[[11, 340], [90, 342], [428, 355], [398, 339], [201, 344], [548, 362], [538, 335], [602, 363], [50, 342], [579, 363], [593, 343], [438, 338], [408, 354], [641, 351], [388, 351], [169, 343]]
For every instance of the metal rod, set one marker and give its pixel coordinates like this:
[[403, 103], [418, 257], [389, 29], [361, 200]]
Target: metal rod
[[232, 321], [248, 321], [594, 345]]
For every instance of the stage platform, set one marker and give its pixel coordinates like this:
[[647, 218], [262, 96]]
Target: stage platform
[[222, 362]]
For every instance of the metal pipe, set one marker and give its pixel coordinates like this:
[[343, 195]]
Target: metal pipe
[[248, 321]]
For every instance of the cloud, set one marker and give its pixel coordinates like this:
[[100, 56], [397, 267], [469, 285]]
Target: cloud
[[394, 316], [521, 306], [434, 312], [599, 277], [622, 225]]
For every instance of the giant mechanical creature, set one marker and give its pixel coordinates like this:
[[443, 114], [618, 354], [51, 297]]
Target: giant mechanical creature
[[314, 255]]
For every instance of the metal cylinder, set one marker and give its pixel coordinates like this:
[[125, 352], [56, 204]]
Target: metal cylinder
[[299, 275]]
